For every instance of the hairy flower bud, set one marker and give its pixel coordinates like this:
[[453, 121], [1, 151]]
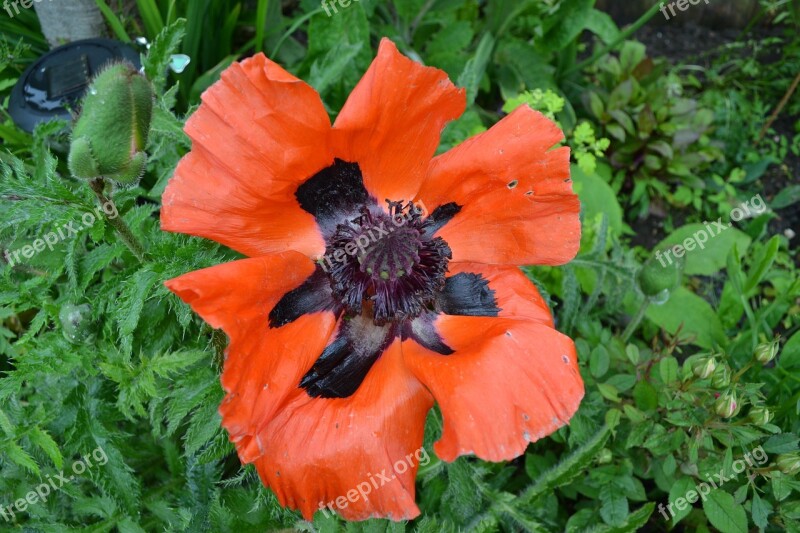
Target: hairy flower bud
[[661, 272], [704, 366], [766, 351], [789, 463], [604, 456], [726, 405], [109, 138]]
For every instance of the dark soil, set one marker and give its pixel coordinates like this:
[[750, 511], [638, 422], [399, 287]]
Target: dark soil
[[678, 44], [700, 46]]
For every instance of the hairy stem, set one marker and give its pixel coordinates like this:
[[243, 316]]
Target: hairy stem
[[637, 319], [98, 186]]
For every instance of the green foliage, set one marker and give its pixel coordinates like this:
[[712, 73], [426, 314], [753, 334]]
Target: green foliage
[[96, 354], [661, 133]]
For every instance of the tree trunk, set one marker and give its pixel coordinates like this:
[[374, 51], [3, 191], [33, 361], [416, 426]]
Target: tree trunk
[[65, 21]]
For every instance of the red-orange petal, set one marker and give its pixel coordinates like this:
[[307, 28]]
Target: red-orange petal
[[392, 121], [258, 134], [319, 450], [263, 365], [509, 382], [516, 196]]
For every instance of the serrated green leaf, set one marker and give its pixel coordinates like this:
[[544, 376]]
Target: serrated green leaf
[[724, 513], [43, 440]]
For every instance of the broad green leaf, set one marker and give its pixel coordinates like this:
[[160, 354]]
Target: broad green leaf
[[790, 353], [692, 315], [706, 246], [787, 197], [599, 361], [668, 370], [679, 489], [597, 197], [602, 25], [574, 17], [634, 522], [645, 396], [613, 507], [760, 511], [724, 513], [782, 443]]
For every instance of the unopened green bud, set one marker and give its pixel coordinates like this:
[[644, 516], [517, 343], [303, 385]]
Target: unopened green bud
[[76, 322], [703, 367], [726, 405], [760, 416], [721, 377], [789, 463], [109, 138], [767, 351], [661, 272], [604, 456]]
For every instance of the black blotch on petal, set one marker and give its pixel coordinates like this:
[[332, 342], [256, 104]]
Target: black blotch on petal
[[333, 194], [422, 330], [467, 294], [344, 364], [312, 296], [441, 216]]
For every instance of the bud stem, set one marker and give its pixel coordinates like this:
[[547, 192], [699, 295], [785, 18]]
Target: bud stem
[[741, 372], [636, 320], [98, 186]]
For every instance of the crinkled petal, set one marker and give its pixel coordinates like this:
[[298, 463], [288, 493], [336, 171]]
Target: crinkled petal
[[509, 382], [516, 199], [259, 133], [392, 122], [263, 365], [318, 451]]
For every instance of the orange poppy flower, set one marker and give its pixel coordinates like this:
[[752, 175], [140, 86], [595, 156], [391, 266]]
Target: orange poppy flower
[[379, 278]]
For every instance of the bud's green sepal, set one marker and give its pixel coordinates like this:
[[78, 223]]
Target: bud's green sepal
[[703, 367], [721, 377], [109, 138], [789, 463], [760, 416], [767, 351], [661, 272]]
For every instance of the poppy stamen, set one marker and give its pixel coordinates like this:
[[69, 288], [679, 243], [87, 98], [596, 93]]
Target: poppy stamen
[[398, 266]]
